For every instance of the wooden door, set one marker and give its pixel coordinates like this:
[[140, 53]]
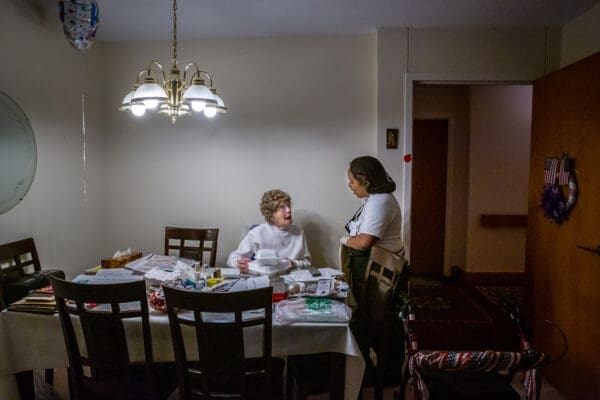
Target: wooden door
[[565, 278], [428, 214]]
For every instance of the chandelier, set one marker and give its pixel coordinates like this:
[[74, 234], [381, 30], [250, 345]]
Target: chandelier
[[172, 95]]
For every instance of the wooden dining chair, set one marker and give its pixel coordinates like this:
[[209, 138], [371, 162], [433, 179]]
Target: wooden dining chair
[[373, 326], [192, 243], [218, 366], [21, 271], [376, 326], [99, 361]]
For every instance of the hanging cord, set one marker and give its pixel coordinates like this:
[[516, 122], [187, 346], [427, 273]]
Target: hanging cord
[[83, 132], [174, 32], [565, 346], [408, 49]]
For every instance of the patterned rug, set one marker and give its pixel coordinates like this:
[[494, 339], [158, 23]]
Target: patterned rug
[[447, 303], [448, 317], [501, 295]]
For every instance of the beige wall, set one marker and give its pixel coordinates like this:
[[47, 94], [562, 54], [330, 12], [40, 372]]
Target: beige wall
[[445, 54], [299, 110], [476, 51], [451, 103], [581, 37], [47, 77], [498, 175]]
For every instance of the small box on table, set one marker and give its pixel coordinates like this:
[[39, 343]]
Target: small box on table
[[119, 262]]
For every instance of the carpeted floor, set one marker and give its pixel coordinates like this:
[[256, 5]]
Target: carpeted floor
[[499, 295], [452, 317]]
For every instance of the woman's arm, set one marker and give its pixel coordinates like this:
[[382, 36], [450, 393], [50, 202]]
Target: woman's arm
[[303, 257], [362, 241], [244, 251]]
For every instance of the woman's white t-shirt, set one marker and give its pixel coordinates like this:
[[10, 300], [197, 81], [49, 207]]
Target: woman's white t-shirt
[[380, 217]]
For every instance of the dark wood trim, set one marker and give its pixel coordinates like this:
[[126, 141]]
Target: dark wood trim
[[504, 220]]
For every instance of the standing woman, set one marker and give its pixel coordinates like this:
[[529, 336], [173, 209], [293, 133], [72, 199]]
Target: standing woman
[[377, 221]]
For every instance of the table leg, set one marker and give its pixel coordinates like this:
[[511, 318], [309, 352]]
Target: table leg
[[337, 377], [25, 384]]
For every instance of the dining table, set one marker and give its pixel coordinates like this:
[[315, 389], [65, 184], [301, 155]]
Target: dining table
[[32, 341]]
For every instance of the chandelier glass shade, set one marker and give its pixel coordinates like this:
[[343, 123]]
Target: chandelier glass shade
[[172, 94]]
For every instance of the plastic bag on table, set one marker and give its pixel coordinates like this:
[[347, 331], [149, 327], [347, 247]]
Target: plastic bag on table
[[310, 309]]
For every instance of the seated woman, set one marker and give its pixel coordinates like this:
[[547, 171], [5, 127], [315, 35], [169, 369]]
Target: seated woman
[[278, 234]]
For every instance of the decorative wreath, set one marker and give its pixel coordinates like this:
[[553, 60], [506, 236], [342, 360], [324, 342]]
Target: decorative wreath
[[554, 205]]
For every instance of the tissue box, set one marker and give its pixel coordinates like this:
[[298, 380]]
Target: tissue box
[[119, 262]]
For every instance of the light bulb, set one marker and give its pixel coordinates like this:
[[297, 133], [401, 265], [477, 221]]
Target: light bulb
[[210, 112], [198, 105], [150, 104], [138, 109]]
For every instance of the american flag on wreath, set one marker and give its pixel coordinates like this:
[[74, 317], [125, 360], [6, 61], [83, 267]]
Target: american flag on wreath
[[550, 168], [563, 171]]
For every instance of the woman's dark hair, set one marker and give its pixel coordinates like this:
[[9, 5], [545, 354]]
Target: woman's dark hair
[[369, 172]]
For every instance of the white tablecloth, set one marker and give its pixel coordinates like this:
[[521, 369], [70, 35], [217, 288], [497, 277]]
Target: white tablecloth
[[34, 341]]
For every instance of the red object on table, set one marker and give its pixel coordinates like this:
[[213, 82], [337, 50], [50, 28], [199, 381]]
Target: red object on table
[[277, 297]]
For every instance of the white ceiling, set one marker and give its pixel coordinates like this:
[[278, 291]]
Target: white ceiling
[[152, 19]]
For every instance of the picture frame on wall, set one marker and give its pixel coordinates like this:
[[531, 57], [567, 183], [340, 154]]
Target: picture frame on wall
[[391, 138]]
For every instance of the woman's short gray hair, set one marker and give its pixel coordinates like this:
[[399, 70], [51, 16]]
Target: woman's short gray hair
[[271, 200]]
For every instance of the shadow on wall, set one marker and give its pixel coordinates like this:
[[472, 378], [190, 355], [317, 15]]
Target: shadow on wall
[[320, 238]]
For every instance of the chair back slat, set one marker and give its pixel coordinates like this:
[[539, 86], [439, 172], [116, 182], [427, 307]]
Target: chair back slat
[[219, 322], [381, 280], [205, 241], [16, 257], [21, 271]]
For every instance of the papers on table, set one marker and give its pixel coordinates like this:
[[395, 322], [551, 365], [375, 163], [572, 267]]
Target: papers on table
[[304, 275], [170, 273], [109, 275], [152, 261], [303, 284], [43, 303], [250, 284]]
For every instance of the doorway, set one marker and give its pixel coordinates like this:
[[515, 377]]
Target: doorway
[[429, 170], [480, 117]]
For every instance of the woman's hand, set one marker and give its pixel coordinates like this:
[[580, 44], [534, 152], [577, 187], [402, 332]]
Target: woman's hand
[[292, 263], [242, 263]]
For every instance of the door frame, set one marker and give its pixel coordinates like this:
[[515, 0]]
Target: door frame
[[407, 138]]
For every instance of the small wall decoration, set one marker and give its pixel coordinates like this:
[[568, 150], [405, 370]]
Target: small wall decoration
[[558, 173], [391, 139]]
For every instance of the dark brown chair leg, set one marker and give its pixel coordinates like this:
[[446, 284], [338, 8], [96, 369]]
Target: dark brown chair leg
[[337, 377], [289, 386], [49, 376], [25, 385]]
